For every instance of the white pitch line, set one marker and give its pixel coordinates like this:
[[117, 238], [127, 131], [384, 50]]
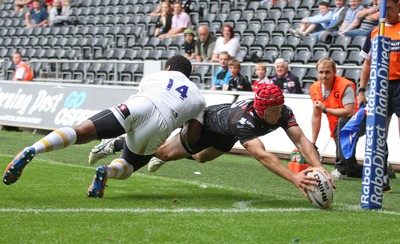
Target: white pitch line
[[186, 210], [149, 210]]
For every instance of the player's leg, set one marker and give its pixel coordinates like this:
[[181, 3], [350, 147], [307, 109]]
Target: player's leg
[[208, 154], [146, 129], [55, 140]]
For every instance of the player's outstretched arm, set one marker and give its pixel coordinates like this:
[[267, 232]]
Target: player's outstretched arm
[[307, 149], [301, 181]]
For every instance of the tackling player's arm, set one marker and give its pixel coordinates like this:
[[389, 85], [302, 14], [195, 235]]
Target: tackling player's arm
[[256, 148]]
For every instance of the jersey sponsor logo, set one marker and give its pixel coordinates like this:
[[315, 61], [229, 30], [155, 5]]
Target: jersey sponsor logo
[[292, 121], [395, 46], [123, 110]]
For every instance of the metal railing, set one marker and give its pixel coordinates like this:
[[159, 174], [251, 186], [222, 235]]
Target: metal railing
[[3, 69]]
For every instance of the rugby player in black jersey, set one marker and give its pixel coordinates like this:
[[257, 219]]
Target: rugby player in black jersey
[[244, 121]]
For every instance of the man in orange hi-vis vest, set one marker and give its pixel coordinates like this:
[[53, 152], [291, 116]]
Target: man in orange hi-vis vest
[[22, 70], [334, 96]]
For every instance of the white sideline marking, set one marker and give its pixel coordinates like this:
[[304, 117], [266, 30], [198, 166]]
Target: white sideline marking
[[154, 210], [183, 210]]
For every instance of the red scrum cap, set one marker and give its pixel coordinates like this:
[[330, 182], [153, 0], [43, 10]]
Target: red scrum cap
[[267, 96]]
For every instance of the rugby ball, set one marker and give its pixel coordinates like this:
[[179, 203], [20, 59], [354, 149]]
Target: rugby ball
[[322, 196]]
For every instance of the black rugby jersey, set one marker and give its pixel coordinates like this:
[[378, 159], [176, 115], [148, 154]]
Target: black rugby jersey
[[239, 120]]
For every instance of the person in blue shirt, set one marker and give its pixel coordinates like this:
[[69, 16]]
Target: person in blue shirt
[[314, 24], [39, 15], [221, 78]]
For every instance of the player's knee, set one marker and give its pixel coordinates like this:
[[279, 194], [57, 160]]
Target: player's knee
[[199, 159]]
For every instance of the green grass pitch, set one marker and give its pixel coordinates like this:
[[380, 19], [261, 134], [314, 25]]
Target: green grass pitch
[[230, 200]]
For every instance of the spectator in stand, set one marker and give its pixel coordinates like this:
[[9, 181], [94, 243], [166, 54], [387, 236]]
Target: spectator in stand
[[262, 78], [350, 20], [39, 15], [368, 19], [205, 44], [165, 20], [314, 24], [180, 21], [59, 14], [226, 42], [186, 6], [189, 44], [49, 4], [337, 19], [158, 11], [221, 78], [288, 82], [20, 4], [237, 82], [22, 71]]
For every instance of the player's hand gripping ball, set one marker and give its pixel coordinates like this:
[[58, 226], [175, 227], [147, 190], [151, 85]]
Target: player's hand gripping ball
[[322, 196]]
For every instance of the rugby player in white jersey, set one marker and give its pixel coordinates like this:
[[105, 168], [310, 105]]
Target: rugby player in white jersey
[[165, 101]]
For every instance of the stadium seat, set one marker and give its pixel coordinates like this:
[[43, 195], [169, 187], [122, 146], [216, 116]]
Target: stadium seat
[[318, 54], [311, 75], [247, 15], [282, 28], [353, 75], [130, 54], [274, 15], [340, 43], [338, 56], [308, 42], [354, 58], [261, 40], [270, 55], [234, 15], [302, 56], [294, 4], [309, 4], [156, 54], [287, 54], [254, 27], [288, 15], [292, 42], [269, 27], [143, 54], [255, 5], [299, 72], [302, 13], [247, 40], [357, 43], [277, 42]]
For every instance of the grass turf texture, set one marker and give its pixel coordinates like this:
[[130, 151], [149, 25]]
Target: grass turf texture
[[233, 200]]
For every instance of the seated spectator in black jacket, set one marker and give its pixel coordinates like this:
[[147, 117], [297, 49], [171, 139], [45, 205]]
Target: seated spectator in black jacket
[[237, 82], [288, 82], [189, 44], [165, 20]]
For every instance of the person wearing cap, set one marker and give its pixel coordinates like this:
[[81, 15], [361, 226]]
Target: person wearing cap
[[244, 121], [189, 44]]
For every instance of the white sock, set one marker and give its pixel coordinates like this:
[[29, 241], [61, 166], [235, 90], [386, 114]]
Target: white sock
[[119, 169], [57, 139]]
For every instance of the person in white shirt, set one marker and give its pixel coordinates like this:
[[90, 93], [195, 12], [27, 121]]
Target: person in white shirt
[[59, 14], [165, 101], [227, 42]]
